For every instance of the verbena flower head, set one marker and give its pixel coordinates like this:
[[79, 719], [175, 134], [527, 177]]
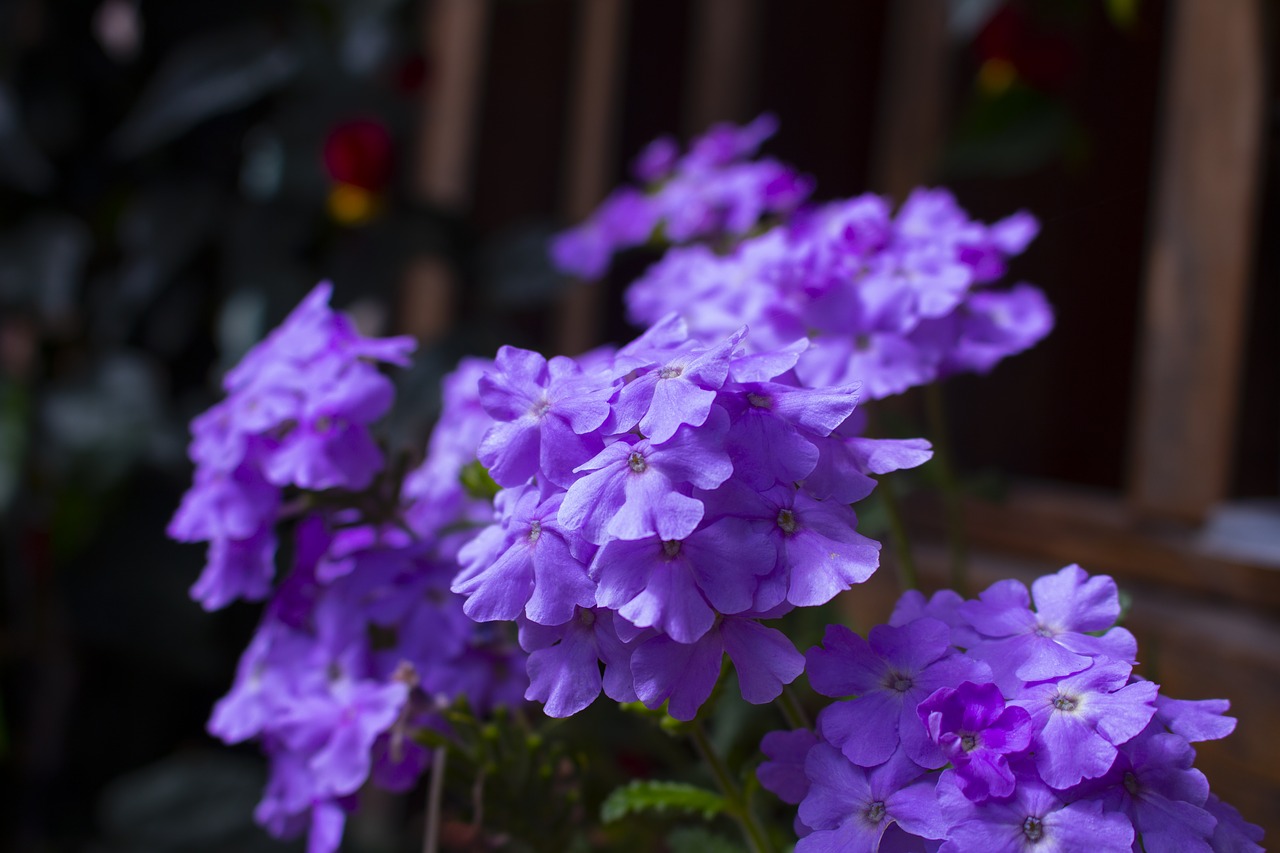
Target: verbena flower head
[[663, 528], [1087, 758], [361, 643], [714, 189], [889, 301], [296, 415]]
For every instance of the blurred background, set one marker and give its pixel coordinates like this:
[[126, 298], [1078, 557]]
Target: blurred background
[[175, 176]]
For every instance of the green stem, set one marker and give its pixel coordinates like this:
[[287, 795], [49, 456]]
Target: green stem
[[757, 838], [435, 796], [792, 710], [907, 576], [957, 544]]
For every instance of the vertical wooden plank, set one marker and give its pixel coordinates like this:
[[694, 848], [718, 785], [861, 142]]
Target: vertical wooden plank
[[911, 112], [454, 40], [1198, 259], [455, 43], [591, 148], [722, 63]]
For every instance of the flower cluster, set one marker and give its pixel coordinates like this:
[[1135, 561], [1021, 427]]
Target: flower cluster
[[1008, 722], [891, 301], [361, 643], [714, 189], [296, 414], [659, 502], [357, 650]]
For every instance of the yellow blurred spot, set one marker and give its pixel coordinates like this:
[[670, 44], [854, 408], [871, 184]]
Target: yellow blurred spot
[[996, 76], [351, 205]]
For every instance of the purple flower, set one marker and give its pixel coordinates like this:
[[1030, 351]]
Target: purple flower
[[783, 771], [677, 586], [433, 493], [564, 662], [819, 551], [535, 572], [1036, 820], [711, 190], [1155, 786], [1057, 638], [635, 489], [546, 416], [683, 675], [1081, 719], [337, 727], [891, 673], [680, 390], [1233, 833], [237, 569], [976, 732], [771, 439], [850, 807], [1195, 719]]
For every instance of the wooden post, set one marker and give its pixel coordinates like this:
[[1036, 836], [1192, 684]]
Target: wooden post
[[910, 115], [1199, 259], [454, 39], [599, 50], [722, 62]]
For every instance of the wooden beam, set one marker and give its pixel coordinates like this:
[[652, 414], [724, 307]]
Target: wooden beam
[[722, 62], [911, 112], [599, 49], [1199, 260], [455, 38], [1061, 525]]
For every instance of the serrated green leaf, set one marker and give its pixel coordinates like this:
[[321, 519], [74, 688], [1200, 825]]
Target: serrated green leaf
[[660, 796], [696, 839]]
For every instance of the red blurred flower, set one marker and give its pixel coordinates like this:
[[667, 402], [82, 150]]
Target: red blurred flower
[[1042, 59], [359, 153]]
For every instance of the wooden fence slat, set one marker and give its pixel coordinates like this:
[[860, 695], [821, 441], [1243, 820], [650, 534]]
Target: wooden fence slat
[[456, 32], [454, 39], [722, 63], [599, 48], [910, 114], [1199, 260]]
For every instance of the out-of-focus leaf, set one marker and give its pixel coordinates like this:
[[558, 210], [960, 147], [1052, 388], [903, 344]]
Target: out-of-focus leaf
[[205, 77], [966, 17], [22, 164], [476, 480], [515, 270], [164, 228], [697, 839], [1013, 133], [645, 795], [188, 802], [368, 31], [41, 262], [106, 421], [1123, 13], [13, 440]]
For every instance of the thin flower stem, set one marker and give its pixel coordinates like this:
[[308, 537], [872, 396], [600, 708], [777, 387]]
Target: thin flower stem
[[435, 796], [757, 838], [906, 563], [957, 543], [792, 710]]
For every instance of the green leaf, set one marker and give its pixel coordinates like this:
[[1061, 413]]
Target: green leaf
[[696, 839], [656, 796], [1123, 13], [476, 480]]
